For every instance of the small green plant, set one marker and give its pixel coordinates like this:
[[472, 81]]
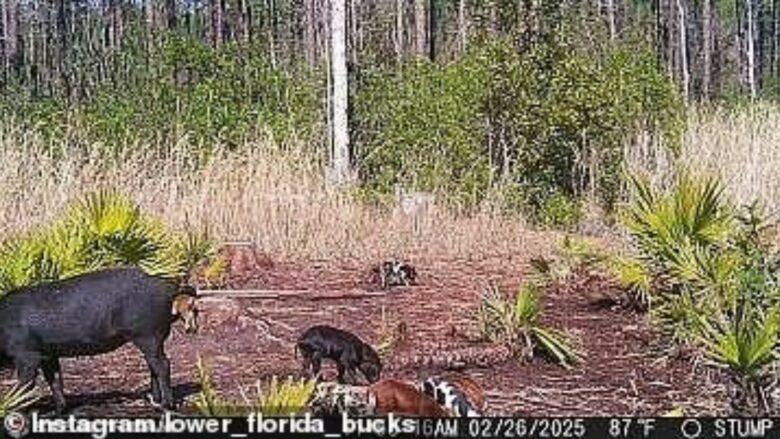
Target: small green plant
[[276, 398], [17, 398], [633, 276], [560, 211], [288, 397], [208, 402], [516, 323], [574, 256], [215, 271], [744, 343]]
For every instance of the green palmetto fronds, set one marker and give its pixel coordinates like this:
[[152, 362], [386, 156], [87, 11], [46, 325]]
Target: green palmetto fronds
[[693, 213], [17, 398], [515, 322], [275, 398], [288, 397], [103, 230], [633, 275], [26, 262], [743, 341]]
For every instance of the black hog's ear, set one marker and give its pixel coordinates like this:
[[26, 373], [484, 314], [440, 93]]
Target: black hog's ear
[[187, 290]]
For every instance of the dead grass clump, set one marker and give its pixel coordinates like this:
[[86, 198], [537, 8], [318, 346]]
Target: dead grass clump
[[277, 197]]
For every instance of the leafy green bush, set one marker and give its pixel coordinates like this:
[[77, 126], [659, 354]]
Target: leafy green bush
[[546, 124], [102, 230], [712, 277], [186, 88], [275, 398], [421, 127], [515, 323], [560, 211]]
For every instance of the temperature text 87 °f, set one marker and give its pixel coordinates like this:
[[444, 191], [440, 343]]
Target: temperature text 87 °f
[[631, 427]]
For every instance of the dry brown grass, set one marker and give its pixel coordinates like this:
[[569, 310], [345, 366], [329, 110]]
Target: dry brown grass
[[280, 200], [742, 146]]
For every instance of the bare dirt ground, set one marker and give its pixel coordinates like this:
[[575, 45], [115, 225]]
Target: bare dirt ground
[[245, 339]]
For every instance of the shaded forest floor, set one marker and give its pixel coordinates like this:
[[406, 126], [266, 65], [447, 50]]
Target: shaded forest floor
[[245, 339]]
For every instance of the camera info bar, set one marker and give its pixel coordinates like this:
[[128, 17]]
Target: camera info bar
[[17, 425]]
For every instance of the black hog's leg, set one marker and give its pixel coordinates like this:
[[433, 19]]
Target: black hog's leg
[[53, 374], [353, 376], [342, 370], [316, 364], [306, 364], [27, 365], [159, 369]]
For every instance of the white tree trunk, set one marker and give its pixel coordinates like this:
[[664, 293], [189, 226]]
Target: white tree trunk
[[420, 28], [338, 68], [683, 49], [611, 17], [707, 37], [463, 30], [751, 51]]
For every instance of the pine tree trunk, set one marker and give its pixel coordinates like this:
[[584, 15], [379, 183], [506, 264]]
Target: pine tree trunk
[[707, 49], [463, 26], [751, 50], [420, 31], [683, 50], [399, 30], [432, 30], [149, 11], [271, 6], [170, 9], [340, 92], [611, 18], [354, 39], [310, 31], [10, 33], [217, 22], [776, 37]]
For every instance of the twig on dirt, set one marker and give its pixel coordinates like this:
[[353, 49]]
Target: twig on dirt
[[279, 294]]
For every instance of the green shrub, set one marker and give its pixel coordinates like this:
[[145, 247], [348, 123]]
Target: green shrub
[[712, 277], [275, 398], [515, 323], [185, 88], [560, 211], [548, 124], [102, 230]]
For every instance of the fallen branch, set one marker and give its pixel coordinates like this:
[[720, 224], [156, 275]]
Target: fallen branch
[[281, 294]]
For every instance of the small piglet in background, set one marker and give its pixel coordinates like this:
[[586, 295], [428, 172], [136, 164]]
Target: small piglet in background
[[394, 273]]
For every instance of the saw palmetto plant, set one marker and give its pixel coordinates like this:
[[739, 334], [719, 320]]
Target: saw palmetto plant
[[273, 398], [17, 398], [515, 321], [102, 230], [712, 279], [743, 342]]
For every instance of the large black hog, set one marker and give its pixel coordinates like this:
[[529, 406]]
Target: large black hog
[[93, 314]]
